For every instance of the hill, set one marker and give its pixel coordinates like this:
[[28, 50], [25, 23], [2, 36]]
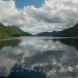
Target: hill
[[71, 32], [53, 34], [11, 31]]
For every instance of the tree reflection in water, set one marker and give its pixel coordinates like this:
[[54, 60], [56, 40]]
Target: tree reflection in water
[[70, 42], [11, 42]]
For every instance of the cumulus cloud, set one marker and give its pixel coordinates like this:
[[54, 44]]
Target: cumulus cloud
[[7, 9], [53, 15]]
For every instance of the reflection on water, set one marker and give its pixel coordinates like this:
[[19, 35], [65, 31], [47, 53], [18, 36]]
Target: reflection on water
[[5, 43], [54, 57], [71, 42]]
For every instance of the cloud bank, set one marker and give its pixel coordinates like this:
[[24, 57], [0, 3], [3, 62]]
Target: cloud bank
[[53, 15]]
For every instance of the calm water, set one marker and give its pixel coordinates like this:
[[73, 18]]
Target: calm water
[[50, 57]]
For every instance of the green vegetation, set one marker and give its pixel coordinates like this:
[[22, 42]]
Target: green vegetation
[[11, 31]]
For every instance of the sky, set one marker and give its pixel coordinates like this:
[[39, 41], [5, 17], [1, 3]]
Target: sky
[[37, 16], [21, 3]]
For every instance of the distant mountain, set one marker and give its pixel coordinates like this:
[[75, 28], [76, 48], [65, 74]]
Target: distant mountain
[[54, 33], [11, 31], [71, 32]]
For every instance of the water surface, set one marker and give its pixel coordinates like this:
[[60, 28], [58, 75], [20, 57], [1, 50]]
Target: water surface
[[55, 57]]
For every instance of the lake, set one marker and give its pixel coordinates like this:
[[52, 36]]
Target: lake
[[39, 57]]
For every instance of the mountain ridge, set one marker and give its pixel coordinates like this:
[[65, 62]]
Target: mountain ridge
[[11, 31], [70, 32]]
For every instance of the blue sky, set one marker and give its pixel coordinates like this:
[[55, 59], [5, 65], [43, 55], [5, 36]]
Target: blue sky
[[21, 3]]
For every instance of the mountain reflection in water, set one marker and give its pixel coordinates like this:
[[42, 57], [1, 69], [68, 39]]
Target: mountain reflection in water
[[11, 42], [54, 57]]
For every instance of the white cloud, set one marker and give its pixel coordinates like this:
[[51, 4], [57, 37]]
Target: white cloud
[[52, 15], [7, 9]]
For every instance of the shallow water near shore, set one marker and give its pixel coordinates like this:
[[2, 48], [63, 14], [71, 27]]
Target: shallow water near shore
[[52, 56]]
